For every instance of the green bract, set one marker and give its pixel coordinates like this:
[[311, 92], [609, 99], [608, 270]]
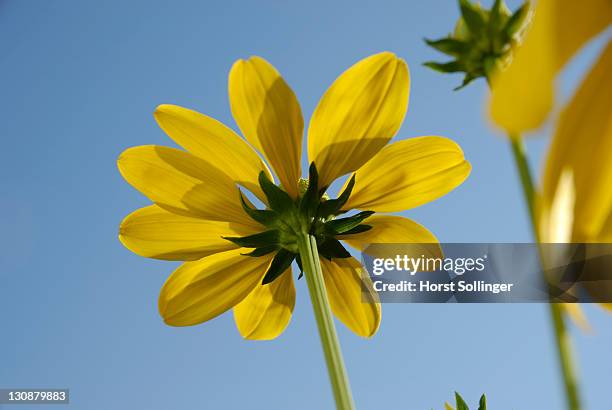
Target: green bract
[[460, 404], [311, 213], [482, 40]]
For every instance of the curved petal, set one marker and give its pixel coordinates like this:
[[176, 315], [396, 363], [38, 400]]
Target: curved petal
[[266, 311], [153, 232], [523, 93], [587, 18], [576, 314], [201, 290], [269, 116], [556, 214], [211, 140], [582, 146], [361, 111], [606, 231], [409, 173], [390, 229], [182, 183], [351, 295]]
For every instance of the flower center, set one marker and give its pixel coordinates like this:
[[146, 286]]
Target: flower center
[[285, 219]]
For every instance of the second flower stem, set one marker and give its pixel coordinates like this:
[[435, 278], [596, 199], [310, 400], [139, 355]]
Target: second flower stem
[[307, 246], [564, 348]]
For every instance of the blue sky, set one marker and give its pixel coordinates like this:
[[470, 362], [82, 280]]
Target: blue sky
[[80, 81]]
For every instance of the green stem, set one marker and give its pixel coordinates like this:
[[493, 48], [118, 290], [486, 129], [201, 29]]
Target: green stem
[[562, 337], [520, 160], [564, 350], [307, 246]]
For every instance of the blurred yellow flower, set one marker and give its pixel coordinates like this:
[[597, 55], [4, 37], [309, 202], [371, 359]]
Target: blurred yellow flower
[[578, 169], [523, 93], [575, 204], [576, 200], [200, 216]]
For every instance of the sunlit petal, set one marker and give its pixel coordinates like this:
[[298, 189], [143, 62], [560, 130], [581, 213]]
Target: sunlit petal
[[351, 295], [523, 93], [358, 115], [269, 116], [211, 140], [266, 311], [201, 290], [153, 232], [587, 18], [582, 145], [389, 229], [182, 183], [409, 173]]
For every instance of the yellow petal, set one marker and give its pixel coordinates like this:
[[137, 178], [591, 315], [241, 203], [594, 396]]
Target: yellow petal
[[575, 313], [523, 93], [389, 229], [211, 140], [359, 311], [201, 290], [269, 116], [153, 232], [448, 406], [582, 145], [266, 311], [557, 213], [606, 231], [587, 18], [607, 306], [358, 115], [409, 173], [182, 183]]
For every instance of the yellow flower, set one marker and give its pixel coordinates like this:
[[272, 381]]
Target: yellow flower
[[523, 94], [575, 203], [200, 216], [576, 200]]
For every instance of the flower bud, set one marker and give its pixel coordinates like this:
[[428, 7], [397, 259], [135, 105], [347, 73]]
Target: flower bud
[[482, 40]]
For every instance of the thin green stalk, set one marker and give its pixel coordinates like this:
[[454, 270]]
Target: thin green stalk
[[307, 246], [562, 337], [520, 160]]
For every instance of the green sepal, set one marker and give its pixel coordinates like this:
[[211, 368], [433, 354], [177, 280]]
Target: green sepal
[[450, 67], [482, 40], [257, 240], [496, 16], [261, 251], [472, 16], [357, 229], [460, 403], [466, 80], [515, 22], [279, 264], [279, 200], [341, 225], [298, 260], [263, 216], [311, 197], [482, 404], [490, 66], [334, 206], [332, 248], [449, 46]]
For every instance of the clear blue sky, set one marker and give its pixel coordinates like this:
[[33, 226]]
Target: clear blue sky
[[79, 82]]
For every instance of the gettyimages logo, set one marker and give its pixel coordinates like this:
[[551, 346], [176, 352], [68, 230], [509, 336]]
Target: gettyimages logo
[[411, 265], [499, 273]]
